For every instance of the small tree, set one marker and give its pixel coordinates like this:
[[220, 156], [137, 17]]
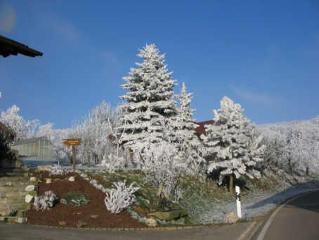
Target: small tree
[[188, 143], [232, 147]]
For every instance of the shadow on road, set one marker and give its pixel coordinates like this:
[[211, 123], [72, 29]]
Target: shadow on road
[[307, 201]]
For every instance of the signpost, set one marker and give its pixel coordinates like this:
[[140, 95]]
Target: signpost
[[238, 203], [72, 142]]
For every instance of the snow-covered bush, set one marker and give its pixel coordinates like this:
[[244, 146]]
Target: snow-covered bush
[[163, 168], [231, 145], [45, 201], [58, 170], [120, 197], [113, 162]]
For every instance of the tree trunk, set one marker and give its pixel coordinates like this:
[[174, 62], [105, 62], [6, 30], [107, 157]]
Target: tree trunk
[[73, 158], [231, 183]]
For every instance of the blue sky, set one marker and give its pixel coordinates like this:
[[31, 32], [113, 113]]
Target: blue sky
[[263, 54]]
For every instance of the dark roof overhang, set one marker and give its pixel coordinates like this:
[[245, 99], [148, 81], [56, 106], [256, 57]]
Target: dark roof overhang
[[10, 47]]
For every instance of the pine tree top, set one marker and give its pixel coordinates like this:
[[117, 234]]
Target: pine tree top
[[185, 99]]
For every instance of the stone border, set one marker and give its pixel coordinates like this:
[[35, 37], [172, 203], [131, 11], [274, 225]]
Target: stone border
[[9, 219], [167, 228]]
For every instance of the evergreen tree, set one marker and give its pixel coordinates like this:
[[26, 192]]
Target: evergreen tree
[[231, 143], [149, 101], [188, 143]]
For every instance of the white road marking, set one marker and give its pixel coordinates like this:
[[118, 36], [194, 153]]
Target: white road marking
[[265, 228], [245, 233]]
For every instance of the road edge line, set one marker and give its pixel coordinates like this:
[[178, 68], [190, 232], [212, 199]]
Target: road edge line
[[269, 221], [247, 231]]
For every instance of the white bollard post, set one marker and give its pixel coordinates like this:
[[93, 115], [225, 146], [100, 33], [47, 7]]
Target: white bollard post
[[238, 203]]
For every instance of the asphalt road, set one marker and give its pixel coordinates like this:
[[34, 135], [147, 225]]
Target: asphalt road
[[296, 220], [238, 231]]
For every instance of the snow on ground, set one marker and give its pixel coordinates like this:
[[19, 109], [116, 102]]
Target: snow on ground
[[256, 204], [262, 204]]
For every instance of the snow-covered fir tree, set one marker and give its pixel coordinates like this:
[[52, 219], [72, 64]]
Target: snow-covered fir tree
[[149, 100], [232, 147], [188, 143]]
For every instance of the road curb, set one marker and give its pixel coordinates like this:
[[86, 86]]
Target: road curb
[[155, 229], [170, 228]]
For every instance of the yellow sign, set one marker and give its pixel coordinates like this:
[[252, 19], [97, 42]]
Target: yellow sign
[[72, 141]]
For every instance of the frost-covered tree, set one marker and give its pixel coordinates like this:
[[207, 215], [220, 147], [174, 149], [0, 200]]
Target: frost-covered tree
[[95, 132], [22, 128], [45, 130], [293, 146], [6, 138], [232, 147], [188, 143], [148, 100], [56, 137]]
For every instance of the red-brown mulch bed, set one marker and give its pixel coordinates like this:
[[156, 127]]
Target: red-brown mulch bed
[[83, 216]]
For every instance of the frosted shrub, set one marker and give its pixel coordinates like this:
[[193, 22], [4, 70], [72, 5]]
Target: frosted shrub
[[120, 197], [163, 168], [113, 162], [45, 201], [57, 170]]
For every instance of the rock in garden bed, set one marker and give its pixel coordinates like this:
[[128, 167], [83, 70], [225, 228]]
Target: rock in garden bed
[[71, 215], [169, 215]]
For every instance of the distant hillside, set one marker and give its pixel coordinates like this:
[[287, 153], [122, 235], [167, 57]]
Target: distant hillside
[[291, 124], [294, 146]]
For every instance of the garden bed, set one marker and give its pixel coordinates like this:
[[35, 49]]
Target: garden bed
[[94, 214]]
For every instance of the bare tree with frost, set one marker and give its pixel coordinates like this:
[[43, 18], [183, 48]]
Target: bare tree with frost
[[22, 128], [293, 147], [232, 147], [56, 137], [95, 132]]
